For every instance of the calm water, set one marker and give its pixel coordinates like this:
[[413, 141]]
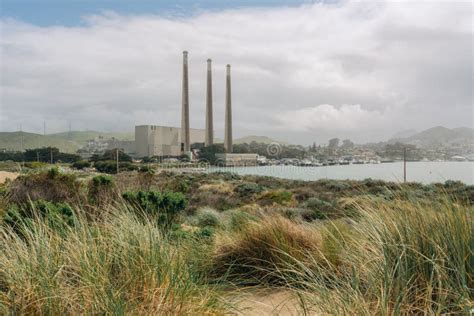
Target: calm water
[[425, 172]]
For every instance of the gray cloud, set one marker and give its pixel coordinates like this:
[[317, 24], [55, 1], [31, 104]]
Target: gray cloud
[[353, 69]]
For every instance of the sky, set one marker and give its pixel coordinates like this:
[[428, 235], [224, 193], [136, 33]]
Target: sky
[[302, 71]]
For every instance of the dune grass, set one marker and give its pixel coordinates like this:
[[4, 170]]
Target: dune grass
[[121, 265], [397, 258], [395, 253]]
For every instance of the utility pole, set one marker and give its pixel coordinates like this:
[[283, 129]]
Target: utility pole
[[117, 160], [404, 164]]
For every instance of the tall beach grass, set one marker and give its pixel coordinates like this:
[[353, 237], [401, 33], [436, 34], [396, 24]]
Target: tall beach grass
[[120, 265], [395, 258]]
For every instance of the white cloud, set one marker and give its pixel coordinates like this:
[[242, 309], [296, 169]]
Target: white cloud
[[404, 64], [330, 118]]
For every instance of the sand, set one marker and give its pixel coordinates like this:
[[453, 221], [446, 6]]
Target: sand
[[4, 175], [266, 302]]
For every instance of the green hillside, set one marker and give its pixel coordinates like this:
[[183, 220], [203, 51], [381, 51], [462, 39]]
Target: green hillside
[[24, 140], [81, 137], [257, 139]]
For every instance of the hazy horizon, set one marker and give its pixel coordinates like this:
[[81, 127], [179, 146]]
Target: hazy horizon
[[301, 71]]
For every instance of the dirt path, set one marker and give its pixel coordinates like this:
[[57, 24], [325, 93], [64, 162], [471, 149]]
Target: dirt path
[[260, 302], [4, 175]]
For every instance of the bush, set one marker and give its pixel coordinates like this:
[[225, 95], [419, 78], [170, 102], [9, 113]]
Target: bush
[[35, 165], [337, 185], [110, 166], [247, 189], [237, 220], [52, 186], [207, 217], [101, 189], [165, 207], [102, 181], [81, 164], [281, 197], [146, 169], [292, 213], [317, 209], [255, 253], [20, 217], [53, 173]]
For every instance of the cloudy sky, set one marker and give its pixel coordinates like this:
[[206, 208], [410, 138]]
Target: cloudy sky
[[302, 71]]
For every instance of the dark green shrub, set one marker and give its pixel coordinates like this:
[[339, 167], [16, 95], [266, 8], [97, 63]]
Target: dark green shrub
[[52, 186], [205, 232], [35, 165], [281, 197], [317, 209], [146, 169], [181, 185], [55, 214], [247, 189], [81, 164], [110, 166], [337, 185], [238, 220], [127, 166], [101, 189], [53, 173], [226, 175], [453, 184], [164, 206], [104, 181], [145, 177]]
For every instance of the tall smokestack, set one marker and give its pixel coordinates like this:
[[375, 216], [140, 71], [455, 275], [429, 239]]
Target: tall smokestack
[[209, 117], [185, 138], [228, 114]]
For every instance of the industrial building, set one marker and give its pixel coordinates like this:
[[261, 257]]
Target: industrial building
[[236, 160], [152, 140]]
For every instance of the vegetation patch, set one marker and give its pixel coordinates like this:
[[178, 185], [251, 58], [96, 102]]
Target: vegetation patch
[[162, 206]]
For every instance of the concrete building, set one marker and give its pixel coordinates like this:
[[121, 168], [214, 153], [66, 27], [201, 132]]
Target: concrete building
[[153, 140], [236, 160]]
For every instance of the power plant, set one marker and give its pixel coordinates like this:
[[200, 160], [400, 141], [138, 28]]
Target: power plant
[[153, 140]]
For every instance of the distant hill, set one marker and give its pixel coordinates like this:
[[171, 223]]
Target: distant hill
[[68, 142], [404, 134], [24, 140], [82, 136], [438, 135], [258, 139]]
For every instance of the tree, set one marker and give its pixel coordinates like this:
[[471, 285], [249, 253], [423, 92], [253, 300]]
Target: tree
[[347, 144], [111, 154], [333, 143], [44, 155], [208, 153]]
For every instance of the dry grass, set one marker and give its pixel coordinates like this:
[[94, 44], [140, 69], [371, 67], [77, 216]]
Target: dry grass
[[259, 251], [117, 266], [399, 258], [396, 258], [218, 188]]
